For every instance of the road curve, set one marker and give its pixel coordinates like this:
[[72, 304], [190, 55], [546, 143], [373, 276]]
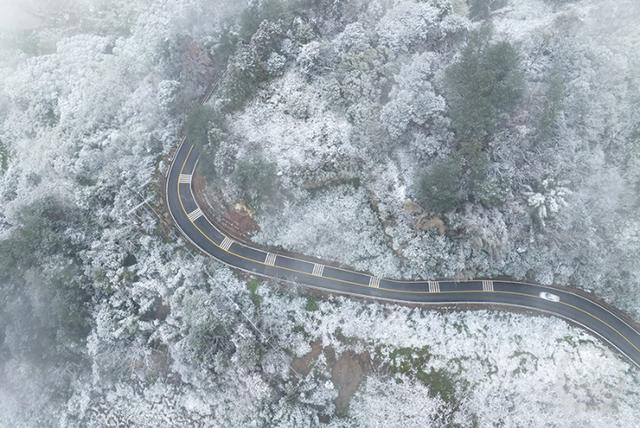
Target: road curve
[[600, 319]]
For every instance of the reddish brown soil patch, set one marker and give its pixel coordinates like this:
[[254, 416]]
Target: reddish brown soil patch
[[347, 374], [348, 370], [304, 364], [236, 220]]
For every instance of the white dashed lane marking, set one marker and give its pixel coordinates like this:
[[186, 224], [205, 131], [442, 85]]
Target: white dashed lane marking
[[317, 269], [434, 286], [374, 282], [195, 214], [226, 243], [270, 260], [487, 285]]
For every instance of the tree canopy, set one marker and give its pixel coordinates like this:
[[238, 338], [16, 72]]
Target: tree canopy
[[484, 84]]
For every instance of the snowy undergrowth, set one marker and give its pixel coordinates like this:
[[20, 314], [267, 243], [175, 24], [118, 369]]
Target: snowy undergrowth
[[88, 108], [380, 401], [505, 367], [308, 226], [565, 193]]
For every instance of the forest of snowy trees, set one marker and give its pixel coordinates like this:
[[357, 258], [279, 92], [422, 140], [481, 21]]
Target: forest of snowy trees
[[410, 138]]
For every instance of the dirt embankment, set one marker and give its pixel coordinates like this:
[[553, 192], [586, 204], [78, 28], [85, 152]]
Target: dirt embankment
[[236, 219], [348, 370]]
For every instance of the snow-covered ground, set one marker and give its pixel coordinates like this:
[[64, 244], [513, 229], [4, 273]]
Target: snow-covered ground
[[139, 332], [384, 128], [309, 226], [507, 367]]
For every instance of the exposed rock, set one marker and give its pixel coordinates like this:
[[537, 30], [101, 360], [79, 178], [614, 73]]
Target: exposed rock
[[412, 207], [428, 222]]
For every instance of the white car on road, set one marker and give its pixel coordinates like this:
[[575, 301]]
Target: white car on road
[[549, 296]]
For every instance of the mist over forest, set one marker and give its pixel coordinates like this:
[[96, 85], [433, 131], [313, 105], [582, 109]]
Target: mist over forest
[[408, 138]]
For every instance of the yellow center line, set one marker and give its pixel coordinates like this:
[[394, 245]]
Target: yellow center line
[[421, 281], [418, 292], [543, 287]]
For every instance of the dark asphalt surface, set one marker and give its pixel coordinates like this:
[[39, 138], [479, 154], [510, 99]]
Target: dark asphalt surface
[[601, 320]]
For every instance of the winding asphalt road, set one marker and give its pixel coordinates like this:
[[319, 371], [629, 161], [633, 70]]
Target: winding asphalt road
[[600, 319]]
